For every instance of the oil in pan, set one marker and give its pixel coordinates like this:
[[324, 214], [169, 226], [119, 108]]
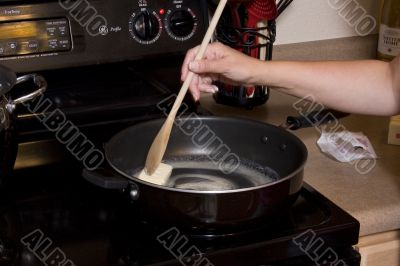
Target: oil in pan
[[198, 172]]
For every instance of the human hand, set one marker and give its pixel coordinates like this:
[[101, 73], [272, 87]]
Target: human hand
[[220, 63]]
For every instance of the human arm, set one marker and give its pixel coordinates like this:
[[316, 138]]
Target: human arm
[[367, 87]]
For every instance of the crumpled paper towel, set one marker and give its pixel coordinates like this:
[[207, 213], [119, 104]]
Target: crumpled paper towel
[[346, 146]]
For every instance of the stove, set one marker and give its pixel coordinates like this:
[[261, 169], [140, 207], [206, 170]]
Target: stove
[[108, 64], [51, 215]]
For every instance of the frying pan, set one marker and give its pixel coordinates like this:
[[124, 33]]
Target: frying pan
[[228, 173]]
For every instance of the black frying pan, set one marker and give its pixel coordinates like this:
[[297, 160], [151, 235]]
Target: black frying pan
[[202, 196], [208, 189]]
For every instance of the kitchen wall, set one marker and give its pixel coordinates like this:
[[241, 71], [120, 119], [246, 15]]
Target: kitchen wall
[[312, 20]]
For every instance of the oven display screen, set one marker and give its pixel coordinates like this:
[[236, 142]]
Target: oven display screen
[[18, 30], [37, 36]]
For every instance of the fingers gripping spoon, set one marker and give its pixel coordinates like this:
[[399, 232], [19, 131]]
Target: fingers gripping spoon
[[155, 171]]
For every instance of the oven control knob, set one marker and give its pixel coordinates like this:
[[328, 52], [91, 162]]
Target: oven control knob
[[181, 24], [145, 27]]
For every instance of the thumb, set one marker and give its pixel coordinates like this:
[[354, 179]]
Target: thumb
[[204, 66]]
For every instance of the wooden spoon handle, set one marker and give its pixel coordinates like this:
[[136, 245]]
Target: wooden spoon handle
[[159, 145], [199, 55]]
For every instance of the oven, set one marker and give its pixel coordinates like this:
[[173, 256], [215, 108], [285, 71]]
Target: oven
[[105, 63], [108, 65]]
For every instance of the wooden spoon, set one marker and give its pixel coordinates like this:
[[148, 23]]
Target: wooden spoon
[[160, 143]]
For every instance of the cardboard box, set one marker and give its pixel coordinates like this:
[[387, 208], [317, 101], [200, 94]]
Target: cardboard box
[[394, 130]]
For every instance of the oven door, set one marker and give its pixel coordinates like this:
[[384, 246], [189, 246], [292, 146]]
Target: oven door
[[98, 100]]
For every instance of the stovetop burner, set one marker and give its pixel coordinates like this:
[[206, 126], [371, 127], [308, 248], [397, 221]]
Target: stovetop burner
[[51, 214]]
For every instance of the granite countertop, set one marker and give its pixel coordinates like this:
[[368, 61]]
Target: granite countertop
[[372, 198]]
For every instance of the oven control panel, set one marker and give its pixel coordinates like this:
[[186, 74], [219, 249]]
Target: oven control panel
[[46, 35], [37, 36]]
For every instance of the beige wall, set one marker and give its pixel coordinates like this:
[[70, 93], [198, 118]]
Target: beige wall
[[311, 20]]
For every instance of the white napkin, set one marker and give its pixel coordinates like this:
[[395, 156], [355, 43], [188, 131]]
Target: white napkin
[[346, 146]]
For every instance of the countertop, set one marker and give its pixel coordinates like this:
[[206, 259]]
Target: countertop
[[372, 198]]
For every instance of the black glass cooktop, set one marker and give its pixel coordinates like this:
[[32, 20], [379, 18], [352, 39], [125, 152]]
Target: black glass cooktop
[[52, 216]]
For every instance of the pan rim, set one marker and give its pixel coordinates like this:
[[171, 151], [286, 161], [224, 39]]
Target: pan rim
[[298, 170]]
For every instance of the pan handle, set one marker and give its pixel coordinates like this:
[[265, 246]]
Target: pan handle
[[39, 82], [108, 179], [105, 178], [313, 119]]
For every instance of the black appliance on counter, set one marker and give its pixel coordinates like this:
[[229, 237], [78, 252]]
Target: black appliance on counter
[[108, 64]]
